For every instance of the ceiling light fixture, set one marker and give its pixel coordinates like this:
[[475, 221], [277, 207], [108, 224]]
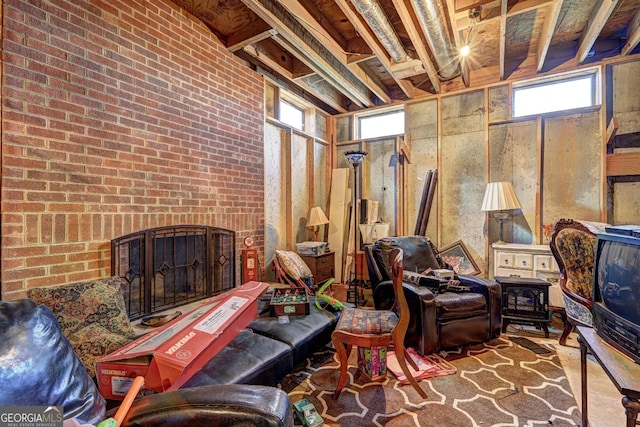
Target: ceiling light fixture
[[474, 15]]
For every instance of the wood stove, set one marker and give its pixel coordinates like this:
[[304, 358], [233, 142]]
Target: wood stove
[[525, 301], [170, 266]]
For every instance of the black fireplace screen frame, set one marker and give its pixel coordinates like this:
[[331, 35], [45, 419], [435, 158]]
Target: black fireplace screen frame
[[166, 267]]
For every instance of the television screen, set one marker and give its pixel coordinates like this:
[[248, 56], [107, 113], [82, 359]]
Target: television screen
[[618, 278]]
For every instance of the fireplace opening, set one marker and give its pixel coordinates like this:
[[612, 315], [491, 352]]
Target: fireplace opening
[[166, 267]]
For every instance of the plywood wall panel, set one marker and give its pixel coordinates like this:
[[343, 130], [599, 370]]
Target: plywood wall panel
[[514, 157], [300, 194], [321, 196], [499, 103], [462, 172], [343, 125], [463, 113], [422, 129], [626, 107], [626, 96], [626, 202], [379, 179], [572, 168], [274, 183]]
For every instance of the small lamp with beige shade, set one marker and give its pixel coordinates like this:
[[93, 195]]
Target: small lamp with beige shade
[[500, 198], [315, 220]]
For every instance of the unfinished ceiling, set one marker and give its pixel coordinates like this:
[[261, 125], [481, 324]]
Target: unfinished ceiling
[[346, 55]]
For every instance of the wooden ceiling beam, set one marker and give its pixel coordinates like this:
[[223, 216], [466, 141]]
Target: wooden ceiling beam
[[241, 39], [462, 19], [366, 34], [553, 12], [599, 16], [633, 35], [293, 36], [311, 24], [327, 96], [416, 40], [503, 37], [464, 65]]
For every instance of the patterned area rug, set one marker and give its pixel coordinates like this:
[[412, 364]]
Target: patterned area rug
[[499, 383]]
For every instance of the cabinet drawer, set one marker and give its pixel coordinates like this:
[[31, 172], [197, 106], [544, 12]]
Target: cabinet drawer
[[323, 274], [524, 261], [515, 260], [324, 260], [544, 263], [512, 272], [505, 259]]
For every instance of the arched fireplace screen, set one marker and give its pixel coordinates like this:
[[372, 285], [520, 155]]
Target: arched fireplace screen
[[170, 266]]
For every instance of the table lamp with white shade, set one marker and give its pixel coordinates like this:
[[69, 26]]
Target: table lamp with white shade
[[500, 198]]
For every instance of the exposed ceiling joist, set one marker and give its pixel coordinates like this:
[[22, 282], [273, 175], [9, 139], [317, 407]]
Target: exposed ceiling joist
[[348, 55], [495, 13], [322, 68], [632, 34], [547, 33], [238, 41], [310, 50], [364, 32], [310, 23], [503, 33], [601, 13], [416, 40], [464, 66]]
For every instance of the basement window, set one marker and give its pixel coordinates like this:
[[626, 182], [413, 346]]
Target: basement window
[[383, 124], [578, 90], [291, 115]]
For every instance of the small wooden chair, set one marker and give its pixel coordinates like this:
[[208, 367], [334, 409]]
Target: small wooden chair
[[376, 328], [283, 277]]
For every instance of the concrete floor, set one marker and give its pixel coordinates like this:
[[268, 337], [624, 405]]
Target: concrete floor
[[604, 400]]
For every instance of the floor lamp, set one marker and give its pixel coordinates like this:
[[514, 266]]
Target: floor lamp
[[355, 158]]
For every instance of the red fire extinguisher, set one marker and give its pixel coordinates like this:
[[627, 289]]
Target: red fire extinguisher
[[250, 261]]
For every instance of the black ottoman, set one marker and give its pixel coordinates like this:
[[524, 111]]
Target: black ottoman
[[303, 334], [249, 359]]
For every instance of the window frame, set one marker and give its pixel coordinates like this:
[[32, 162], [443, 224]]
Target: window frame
[[378, 113], [594, 73], [303, 111]]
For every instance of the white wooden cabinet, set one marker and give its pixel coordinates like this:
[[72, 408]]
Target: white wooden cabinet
[[519, 260]]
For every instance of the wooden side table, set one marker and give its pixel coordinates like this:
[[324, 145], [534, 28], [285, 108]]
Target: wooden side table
[[322, 266], [623, 373]]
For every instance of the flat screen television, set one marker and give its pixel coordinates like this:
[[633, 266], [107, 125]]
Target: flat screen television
[[616, 289]]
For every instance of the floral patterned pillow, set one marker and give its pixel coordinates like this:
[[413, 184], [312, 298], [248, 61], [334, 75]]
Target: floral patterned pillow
[[293, 264], [93, 342], [95, 303]]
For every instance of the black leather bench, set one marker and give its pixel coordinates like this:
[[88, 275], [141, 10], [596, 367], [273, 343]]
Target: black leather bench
[[267, 350]]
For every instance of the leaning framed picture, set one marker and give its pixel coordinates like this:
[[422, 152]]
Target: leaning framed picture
[[459, 258]]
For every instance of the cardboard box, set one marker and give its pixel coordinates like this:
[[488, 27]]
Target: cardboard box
[[169, 355], [372, 362]]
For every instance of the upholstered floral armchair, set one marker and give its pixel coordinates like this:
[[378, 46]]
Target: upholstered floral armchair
[[573, 244]]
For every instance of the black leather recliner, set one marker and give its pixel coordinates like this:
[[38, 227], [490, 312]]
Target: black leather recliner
[[439, 319]]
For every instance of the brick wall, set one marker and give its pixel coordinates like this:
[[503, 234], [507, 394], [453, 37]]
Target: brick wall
[[119, 116]]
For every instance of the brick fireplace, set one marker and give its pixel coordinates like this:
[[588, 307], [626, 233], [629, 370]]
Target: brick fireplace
[[145, 120], [166, 267]]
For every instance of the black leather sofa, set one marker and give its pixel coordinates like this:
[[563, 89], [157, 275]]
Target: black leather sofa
[[214, 405], [439, 319], [236, 387]]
